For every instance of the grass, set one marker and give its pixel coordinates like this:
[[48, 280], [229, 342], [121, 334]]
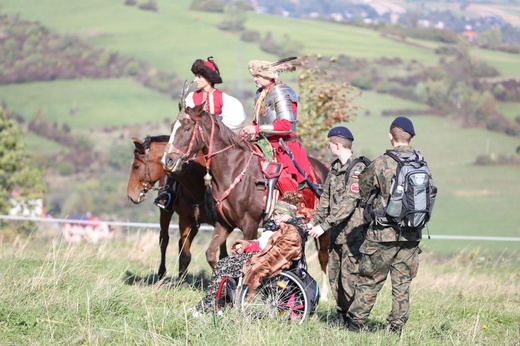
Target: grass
[[100, 103], [511, 110], [58, 293]]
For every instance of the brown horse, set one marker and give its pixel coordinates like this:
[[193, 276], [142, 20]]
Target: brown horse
[[236, 189], [146, 170]]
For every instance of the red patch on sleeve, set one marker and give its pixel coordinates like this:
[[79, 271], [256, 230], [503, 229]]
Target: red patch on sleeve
[[354, 188]]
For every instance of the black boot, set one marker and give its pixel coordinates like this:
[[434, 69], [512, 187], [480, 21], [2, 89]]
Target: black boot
[[166, 197], [342, 319], [395, 329], [164, 200]]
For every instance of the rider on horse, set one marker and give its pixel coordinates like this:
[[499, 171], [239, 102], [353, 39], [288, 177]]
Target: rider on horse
[[215, 102], [275, 116]]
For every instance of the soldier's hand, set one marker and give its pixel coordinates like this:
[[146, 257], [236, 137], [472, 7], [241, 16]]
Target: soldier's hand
[[316, 231]]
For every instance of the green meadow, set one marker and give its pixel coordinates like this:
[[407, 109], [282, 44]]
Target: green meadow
[[57, 293], [99, 103]]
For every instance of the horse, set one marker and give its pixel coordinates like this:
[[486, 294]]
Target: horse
[[145, 172], [236, 183]]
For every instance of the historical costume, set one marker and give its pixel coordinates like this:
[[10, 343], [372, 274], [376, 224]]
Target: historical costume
[[215, 102], [275, 116]]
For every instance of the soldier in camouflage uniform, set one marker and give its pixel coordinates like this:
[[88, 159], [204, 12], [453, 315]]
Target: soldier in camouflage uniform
[[338, 213], [385, 250]]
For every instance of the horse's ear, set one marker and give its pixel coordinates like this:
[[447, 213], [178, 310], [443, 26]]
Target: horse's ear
[[198, 110], [139, 146]]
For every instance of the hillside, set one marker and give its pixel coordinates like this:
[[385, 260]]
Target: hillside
[[109, 111]]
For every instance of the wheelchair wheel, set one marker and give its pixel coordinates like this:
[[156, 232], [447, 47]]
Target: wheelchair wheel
[[280, 297]]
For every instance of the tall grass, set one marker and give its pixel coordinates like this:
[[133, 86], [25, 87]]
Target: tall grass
[[53, 293]]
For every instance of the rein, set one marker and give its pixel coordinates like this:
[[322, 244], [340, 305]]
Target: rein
[[144, 190], [209, 156]]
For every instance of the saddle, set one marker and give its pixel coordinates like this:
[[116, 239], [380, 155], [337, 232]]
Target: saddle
[[272, 171]]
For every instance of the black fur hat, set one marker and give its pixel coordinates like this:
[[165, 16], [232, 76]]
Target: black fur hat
[[207, 69]]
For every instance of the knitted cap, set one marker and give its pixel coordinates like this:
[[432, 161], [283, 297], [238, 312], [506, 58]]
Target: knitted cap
[[281, 208], [404, 124]]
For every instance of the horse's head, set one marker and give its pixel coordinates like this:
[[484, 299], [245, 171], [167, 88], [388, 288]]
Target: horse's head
[[146, 167], [187, 138]]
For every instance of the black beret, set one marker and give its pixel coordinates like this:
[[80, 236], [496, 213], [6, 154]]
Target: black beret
[[404, 124], [341, 131]]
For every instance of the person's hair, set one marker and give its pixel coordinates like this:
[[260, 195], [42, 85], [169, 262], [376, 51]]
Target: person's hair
[[292, 197], [400, 135], [346, 143]]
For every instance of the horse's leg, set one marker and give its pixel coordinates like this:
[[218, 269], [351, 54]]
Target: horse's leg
[[164, 239], [323, 258], [220, 235], [188, 230]]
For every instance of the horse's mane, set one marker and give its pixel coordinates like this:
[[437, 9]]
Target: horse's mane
[[152, 139], [228, 136]]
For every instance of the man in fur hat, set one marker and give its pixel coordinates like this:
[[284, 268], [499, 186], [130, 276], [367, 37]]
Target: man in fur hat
[[215, 102], [275, 114]]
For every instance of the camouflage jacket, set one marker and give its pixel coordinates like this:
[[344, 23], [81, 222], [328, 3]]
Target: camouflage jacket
[[378, 176], [338, 212]]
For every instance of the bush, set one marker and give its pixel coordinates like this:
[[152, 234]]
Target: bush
[[363, 82], [207, 5], [250, 36], [149, 6], [66, 168]]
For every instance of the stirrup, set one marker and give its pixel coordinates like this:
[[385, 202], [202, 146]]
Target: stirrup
[[167, 198]]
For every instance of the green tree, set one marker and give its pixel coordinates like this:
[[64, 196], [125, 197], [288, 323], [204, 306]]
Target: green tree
[[323, 103], [16, 173]]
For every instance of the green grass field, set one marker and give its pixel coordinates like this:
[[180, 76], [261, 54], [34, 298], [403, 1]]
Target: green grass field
[[100, 103], [510, 110], [54, 293]]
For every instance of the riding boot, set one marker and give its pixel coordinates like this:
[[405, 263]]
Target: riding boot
[[165, 198]]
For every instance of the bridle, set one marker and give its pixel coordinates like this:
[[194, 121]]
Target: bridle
[[209, 143], [198, 131], [147, 184]]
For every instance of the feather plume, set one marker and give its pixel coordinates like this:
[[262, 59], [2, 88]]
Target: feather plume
[[285, 65]]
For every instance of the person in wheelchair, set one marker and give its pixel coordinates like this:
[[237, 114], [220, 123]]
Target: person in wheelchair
[[244, 252]]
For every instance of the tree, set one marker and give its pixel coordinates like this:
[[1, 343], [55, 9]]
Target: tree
[[15, 170], [323, 103]]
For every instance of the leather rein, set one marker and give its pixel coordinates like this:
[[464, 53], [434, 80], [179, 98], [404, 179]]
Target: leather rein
[[198, 130]]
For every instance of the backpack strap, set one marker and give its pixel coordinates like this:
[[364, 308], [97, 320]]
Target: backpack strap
[[355, 162]]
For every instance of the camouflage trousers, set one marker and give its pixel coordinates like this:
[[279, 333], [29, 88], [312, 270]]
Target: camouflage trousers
[[400, 260], [343, 273]]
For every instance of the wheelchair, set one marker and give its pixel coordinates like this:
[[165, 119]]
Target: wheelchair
[[284, 296]]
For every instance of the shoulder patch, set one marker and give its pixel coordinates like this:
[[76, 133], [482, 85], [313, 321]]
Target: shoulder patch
[[354, 188]]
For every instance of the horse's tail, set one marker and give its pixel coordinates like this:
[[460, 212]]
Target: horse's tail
[[209, 205]]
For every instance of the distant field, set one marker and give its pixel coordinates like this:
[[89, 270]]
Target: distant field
[[100, 103], [510, 110], [506, 63], [39, 144]]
